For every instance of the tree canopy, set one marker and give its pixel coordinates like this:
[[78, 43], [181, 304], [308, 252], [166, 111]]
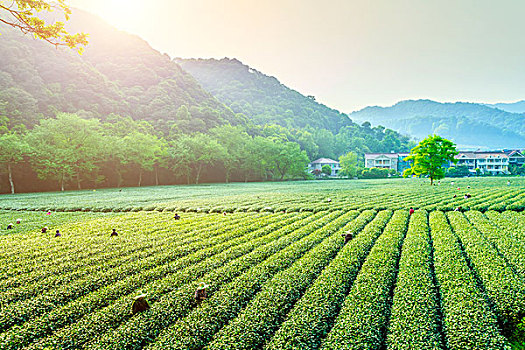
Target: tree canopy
[[22, 14], [429, 156]]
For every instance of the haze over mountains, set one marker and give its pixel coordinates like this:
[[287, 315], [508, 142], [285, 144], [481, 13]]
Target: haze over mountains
[[470, 125]]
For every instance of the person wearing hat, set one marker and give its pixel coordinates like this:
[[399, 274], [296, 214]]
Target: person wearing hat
[[200, 293], [18, 221], [57, 234], [347, 236], [44, 229], [114, 233], [10, 226], [139, 304]]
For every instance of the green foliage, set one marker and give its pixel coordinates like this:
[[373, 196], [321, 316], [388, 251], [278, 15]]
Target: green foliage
[[377, 173], [458, 171], [326, 169], [348, 164], [429, 156], [363, 317], [414, 320], [468, 320], [24, 17]]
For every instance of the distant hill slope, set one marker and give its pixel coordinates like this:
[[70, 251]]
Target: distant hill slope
[[467, 124], [118, 73], [263, 98], [515, 107]]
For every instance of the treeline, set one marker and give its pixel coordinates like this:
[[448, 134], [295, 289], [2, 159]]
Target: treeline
[[69, 152]]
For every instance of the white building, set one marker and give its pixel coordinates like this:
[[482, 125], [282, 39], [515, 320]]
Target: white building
[[319, 163], [493, 163]]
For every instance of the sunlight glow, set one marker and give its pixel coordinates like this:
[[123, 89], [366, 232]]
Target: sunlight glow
[[125, 14]]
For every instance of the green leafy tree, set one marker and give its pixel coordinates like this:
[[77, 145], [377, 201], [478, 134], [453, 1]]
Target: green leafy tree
[[65, 148], [13, 148], [141, 151], [326, 169], [234, 140], [348, 164], [22, 14], [191, 154], [429, 156], [289, 159]]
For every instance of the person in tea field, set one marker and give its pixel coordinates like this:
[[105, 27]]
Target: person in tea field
[[347, 236], [18, 221], [177, 216], [10, 227], [57, 234], [140, 304], [114, 233], [457, 209], [411, 211], [200, 293], [44, 229]]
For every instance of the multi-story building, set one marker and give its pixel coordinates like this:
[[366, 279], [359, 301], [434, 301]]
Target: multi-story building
[[319, 163], [394, 161], [492, 162], [515, 157]]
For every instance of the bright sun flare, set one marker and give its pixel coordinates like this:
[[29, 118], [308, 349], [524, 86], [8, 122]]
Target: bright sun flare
[[123, 13]]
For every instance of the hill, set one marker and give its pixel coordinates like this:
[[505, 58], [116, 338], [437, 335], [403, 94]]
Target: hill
[[262, 97], [118, 73], [468, 124], [515, 107]]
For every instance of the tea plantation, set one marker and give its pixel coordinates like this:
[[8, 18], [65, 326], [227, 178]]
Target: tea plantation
[[279, 274]]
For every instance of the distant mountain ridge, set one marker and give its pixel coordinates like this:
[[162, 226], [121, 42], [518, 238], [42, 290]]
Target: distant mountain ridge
[[262, 97], [514, 107], [470, 125]]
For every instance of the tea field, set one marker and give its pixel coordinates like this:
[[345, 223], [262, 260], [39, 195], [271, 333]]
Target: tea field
[[278, 271]]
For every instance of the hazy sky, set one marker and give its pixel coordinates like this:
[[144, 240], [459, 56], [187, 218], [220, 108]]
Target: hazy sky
[[347, 53]]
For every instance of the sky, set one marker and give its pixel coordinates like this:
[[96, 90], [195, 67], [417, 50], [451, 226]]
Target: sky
[[349, 54]]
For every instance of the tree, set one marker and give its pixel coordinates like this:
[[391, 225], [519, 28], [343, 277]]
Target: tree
[[348, 164], [429, 156], [288, 159], [234, 140], [65, 148], [193, 153], [12, 151], [141, 151], [22, 14], [326, 169]]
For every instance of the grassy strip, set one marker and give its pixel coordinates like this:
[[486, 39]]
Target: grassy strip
[[505, 289], [362, 322], [507, 245], [468, 321], [414, 320]]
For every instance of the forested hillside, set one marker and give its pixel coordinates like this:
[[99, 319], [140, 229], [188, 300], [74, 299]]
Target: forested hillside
[[467, 124], [118, 73], [264, 98], [123, 114]]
